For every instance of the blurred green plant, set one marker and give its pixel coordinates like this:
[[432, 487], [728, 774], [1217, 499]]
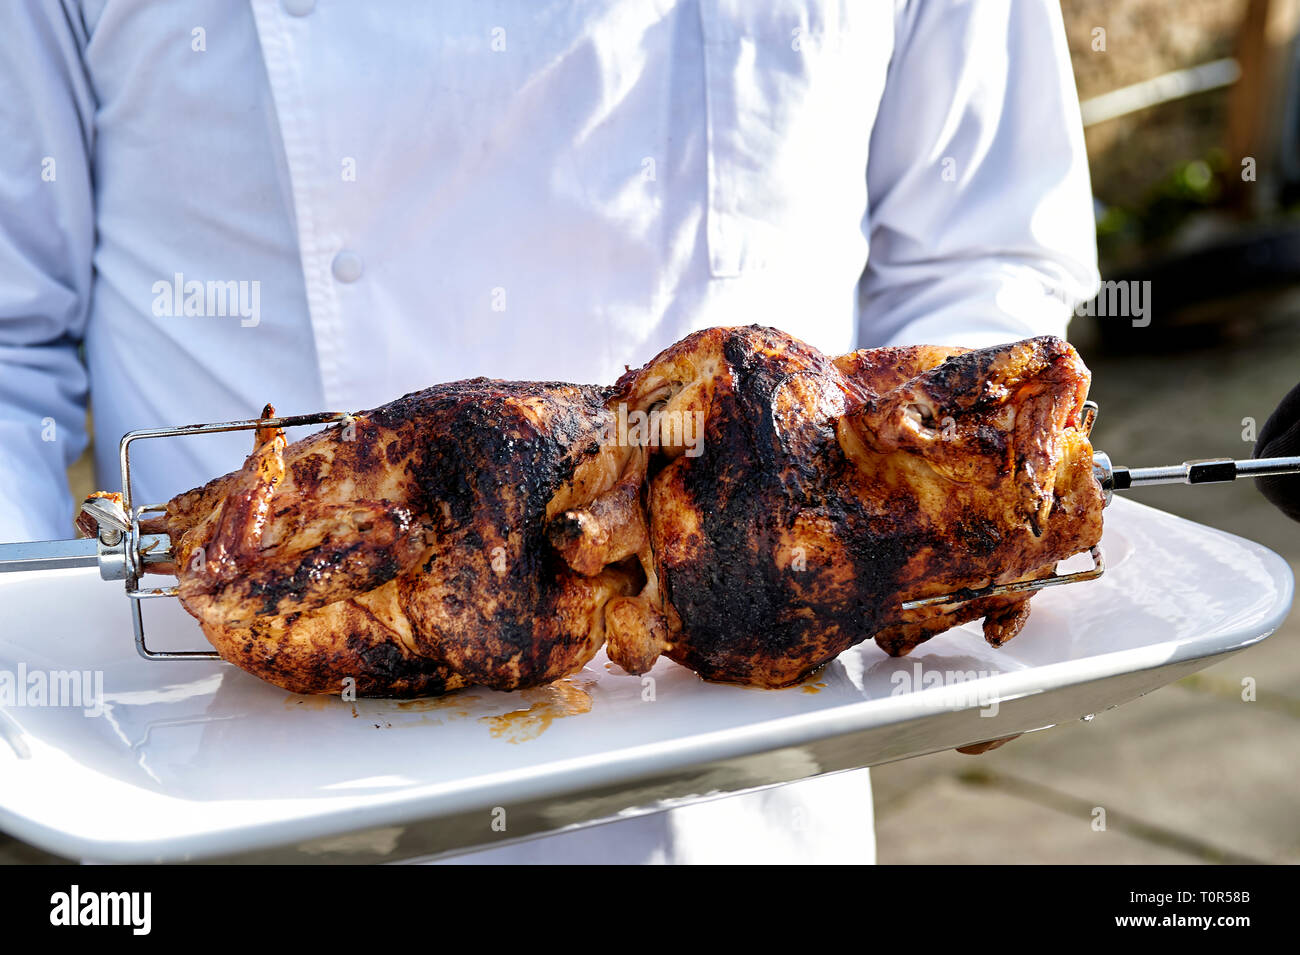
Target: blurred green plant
[[1189, 188]]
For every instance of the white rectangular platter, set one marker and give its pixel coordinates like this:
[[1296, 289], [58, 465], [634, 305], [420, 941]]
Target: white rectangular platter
[[198, 760]]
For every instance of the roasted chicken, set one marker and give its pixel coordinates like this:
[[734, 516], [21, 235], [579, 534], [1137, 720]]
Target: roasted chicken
[[743, 504], [404, 552], [830, 491]]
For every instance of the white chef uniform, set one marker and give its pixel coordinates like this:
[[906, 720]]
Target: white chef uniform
[[326, 204]]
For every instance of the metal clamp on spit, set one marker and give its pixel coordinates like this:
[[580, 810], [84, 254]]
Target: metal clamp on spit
[[117, 545]]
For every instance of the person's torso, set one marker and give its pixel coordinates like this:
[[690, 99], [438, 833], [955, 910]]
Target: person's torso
[[325, 205], [327, 210]]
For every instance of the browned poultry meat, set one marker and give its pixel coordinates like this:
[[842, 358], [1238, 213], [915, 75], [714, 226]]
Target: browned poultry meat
[[828, 492], [743, 504], [406, 549]]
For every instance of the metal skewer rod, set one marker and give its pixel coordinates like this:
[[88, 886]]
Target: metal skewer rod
[[1208, 471], [49, 555]]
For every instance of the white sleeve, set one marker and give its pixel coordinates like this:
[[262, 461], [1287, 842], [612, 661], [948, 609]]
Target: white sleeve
[[980, 208], [46, 242]]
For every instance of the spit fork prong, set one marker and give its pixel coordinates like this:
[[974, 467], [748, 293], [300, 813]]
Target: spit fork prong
[[125, 553], [966, 595]]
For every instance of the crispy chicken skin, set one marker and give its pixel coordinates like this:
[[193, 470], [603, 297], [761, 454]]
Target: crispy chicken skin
[[407, 549], [828, 492]]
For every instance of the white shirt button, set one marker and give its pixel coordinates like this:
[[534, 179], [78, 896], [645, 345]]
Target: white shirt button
[[346, 266], [298, 8]]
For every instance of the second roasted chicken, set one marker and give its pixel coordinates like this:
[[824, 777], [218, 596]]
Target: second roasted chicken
[[828, 492], [743, 504]]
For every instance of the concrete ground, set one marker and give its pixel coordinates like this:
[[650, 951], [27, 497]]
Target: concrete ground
[[1189, 773]]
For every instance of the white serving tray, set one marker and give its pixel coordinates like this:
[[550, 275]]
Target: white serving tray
[[194, 760]]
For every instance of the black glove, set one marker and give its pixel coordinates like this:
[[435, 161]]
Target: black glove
[[1280, 438]]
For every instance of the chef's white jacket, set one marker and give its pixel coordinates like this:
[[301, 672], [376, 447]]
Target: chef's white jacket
[[325, 204]]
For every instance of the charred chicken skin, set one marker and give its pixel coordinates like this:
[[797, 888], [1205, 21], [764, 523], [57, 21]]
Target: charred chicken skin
[[743, 504]]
